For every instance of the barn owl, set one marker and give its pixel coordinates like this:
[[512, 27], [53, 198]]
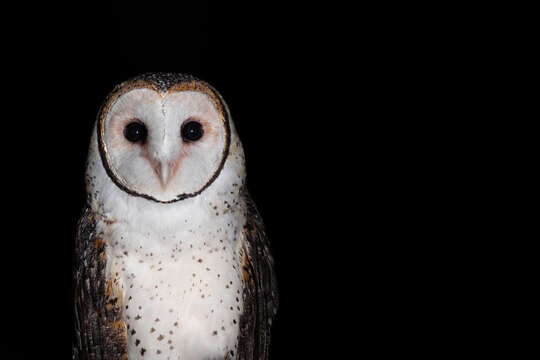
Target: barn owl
[[172, 260]]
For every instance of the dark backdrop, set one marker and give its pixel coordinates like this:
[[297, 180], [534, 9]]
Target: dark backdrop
[[287, 97], [370, 135], [317, 107]]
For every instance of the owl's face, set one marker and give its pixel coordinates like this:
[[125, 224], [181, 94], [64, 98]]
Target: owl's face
[[163, 144]]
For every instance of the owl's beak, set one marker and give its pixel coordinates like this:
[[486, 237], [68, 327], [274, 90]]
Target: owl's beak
[[163, 171]]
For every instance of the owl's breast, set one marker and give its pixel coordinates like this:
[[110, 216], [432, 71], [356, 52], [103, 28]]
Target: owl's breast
[[182, 301]]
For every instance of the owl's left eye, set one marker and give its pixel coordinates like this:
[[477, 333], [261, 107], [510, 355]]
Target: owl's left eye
[[192, 131], [135, 132]]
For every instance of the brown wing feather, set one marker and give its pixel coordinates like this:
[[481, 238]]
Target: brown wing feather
[[260, 289], [100, 330]]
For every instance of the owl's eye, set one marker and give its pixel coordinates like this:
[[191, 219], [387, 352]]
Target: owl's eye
[[135, 132], [192, 131]]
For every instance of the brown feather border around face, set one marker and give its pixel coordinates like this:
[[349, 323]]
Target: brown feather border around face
[[162, 83]]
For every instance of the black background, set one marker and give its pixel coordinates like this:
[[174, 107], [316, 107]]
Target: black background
[[326, 109], [287, 94]]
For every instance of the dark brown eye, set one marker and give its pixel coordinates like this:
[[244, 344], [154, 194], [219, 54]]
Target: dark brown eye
[[135, 132], [192, 131]]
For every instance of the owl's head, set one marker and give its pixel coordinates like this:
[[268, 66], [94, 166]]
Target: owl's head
[[163, 137]]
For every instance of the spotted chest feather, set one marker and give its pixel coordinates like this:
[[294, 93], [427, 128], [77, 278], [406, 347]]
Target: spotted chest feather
[[182, 291]]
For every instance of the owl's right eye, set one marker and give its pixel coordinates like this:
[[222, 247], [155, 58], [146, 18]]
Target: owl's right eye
[[135, 132]]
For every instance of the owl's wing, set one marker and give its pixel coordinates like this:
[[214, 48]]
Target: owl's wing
[[260, 288], [99, 329]]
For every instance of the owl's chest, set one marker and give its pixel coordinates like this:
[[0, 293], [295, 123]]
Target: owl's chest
[[181, 296]]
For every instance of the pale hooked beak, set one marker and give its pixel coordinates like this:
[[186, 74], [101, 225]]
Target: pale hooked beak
[[164, 171]]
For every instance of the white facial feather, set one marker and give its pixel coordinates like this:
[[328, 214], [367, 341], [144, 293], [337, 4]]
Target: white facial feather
[[189, 164]]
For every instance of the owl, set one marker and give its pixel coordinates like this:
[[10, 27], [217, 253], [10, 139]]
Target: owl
[[171, 256]]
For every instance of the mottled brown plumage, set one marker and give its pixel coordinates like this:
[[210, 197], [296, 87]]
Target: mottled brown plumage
[[260, 289], [100, 329]]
